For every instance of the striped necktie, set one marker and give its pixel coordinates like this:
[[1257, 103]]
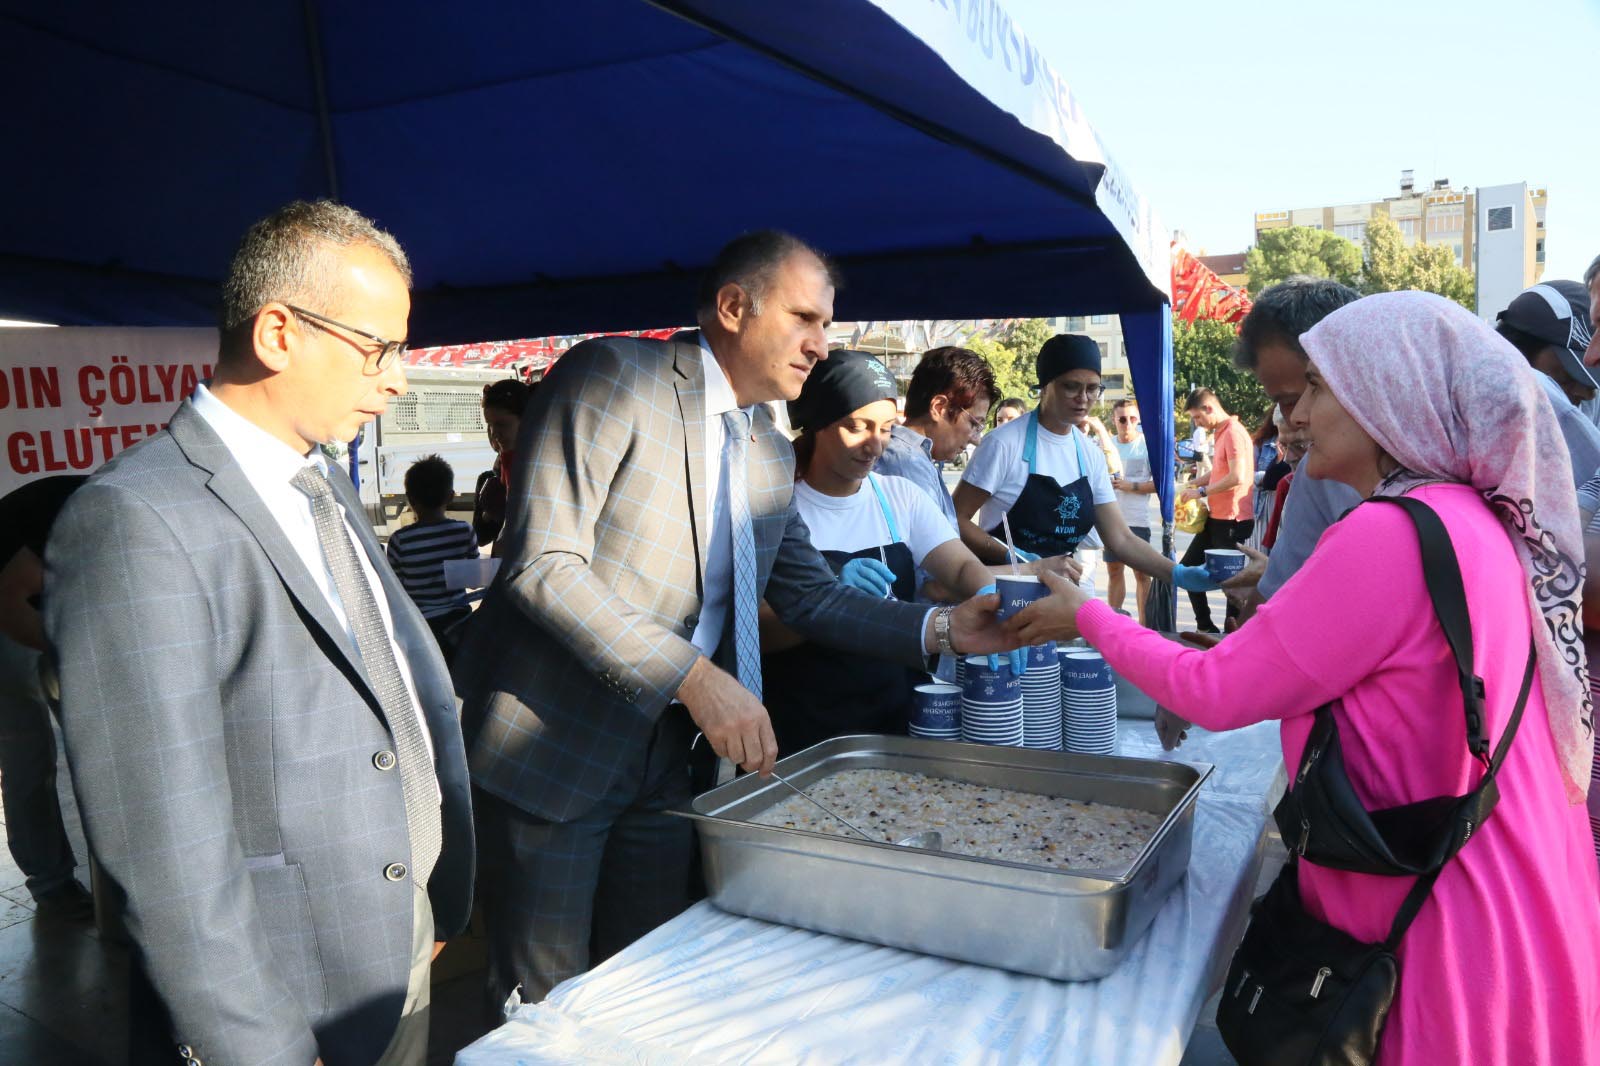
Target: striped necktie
[[746, 600]]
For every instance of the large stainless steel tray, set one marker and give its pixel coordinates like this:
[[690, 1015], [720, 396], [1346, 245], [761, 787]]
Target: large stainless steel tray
[[1072, 925]]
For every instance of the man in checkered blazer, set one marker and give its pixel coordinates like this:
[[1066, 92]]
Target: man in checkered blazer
[[607, 639], [245, 777]]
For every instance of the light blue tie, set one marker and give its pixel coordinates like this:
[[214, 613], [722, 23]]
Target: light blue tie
[[746, 623]]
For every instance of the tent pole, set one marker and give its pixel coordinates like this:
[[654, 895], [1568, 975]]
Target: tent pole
[[319, 84]]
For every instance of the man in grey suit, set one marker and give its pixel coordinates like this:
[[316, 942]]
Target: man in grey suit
[[651, 512], [260, 726]]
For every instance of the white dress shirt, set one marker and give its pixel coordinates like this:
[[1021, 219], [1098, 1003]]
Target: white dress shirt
[[269, 465], [718, 579]]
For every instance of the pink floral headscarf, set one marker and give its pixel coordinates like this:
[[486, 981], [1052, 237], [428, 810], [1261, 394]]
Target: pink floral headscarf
[[1451, 400]]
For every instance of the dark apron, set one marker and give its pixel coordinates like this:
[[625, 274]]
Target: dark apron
[[1047, 519], [814, 693]]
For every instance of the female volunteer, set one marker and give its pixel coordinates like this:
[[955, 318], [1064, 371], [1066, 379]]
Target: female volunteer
[[1050, 482], [874, 531]]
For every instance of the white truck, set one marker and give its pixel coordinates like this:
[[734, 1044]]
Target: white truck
[[440, 414]]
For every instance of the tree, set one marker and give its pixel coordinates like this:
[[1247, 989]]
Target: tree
[[1010, 375], [1387, 257], [1025, 338], [1202, 354], [1281, 253], [1392, 267]]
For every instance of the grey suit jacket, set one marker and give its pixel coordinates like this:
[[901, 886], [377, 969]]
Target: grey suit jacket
[[583, 639], [222, 736]]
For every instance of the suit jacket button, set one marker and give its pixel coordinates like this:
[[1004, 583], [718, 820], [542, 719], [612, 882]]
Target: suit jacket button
[[383, 760], [395, 871], [692, 621]]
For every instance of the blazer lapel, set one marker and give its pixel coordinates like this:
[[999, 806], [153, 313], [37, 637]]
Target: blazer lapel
[[691, 388], [205, 449]]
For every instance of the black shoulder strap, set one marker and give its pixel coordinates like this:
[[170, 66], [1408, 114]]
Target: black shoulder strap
[[1411, 906], [1441, 571]]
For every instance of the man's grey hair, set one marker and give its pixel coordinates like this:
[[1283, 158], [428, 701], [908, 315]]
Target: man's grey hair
[[751, 261], [1284, 311], [284, 258], [1593, 271]]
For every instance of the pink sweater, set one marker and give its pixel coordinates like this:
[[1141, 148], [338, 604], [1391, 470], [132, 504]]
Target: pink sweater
[[1502, 966]]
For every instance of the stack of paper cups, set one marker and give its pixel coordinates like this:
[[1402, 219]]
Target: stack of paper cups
[[936, 712], [991, 702], [1088, 703], [1041, 699]]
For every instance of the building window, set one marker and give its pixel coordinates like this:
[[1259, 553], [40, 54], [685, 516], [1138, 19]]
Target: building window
[[1104, 350], [1499, 218], [1408, 228], [1099, 320], [1538, 254], [1351, 231], [1448, 219], [1075, 324], [1114, 382]]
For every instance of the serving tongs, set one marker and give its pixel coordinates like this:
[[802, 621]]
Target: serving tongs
[[927, 840]]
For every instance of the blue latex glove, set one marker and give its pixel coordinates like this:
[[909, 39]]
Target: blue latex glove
[[1022, 556], [1019, 658], [869, 576], [1193, 579]]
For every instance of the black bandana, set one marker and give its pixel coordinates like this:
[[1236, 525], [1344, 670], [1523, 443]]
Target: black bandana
[[839, 384]]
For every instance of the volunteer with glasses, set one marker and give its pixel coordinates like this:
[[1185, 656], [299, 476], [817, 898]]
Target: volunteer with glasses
[[1049, 482], [875, 531]]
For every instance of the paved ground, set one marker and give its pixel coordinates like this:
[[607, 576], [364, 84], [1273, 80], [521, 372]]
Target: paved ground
[[62, 986]]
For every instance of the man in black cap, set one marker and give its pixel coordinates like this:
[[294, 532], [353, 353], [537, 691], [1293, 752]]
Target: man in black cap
[[1549, 324], [1049, 482]]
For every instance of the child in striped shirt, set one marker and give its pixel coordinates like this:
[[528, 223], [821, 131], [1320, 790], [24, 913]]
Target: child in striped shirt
[[419, 551]]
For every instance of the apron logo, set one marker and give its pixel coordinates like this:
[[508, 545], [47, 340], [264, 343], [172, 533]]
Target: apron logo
[[1067, 510]]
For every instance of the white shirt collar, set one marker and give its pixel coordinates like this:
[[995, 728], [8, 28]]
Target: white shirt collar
[[263, 457], [719, 390]]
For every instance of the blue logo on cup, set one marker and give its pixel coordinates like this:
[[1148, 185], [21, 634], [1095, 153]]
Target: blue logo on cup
[[1223, 563], [1041, 656], [1085, 670]]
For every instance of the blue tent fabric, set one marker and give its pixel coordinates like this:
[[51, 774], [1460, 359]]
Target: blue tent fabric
[[550, 167]]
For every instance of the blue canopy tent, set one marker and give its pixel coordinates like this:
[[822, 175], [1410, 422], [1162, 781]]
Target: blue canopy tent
[[565, 167]]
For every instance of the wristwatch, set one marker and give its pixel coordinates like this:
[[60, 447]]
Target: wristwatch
[[941, 631], [1203, 489]]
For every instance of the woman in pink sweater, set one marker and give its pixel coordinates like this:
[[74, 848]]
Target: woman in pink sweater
[[1410, 394]]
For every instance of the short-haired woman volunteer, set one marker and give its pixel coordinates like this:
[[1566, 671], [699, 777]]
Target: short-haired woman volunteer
[[1050, 481], [874, 531]]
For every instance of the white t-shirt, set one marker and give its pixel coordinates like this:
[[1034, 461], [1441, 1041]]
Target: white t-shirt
[[997, 467], [1135, 467], [851, 523]]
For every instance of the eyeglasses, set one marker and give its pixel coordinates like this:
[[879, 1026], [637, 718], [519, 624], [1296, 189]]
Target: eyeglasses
[[1127, 420], [976, 423], [1075, 389], [388, 351]]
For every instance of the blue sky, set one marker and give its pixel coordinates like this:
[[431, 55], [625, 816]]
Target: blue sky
[[1217, 111]]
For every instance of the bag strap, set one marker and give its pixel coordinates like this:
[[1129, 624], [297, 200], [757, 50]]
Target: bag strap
[[1441, 572], [1411, 906]]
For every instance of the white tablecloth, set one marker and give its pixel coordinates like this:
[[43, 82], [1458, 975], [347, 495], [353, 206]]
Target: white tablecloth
[[711, 987]]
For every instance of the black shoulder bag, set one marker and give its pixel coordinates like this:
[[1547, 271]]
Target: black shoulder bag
[[1300, 992]]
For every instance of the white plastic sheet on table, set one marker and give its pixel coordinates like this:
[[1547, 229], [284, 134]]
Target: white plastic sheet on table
[[710, 987]]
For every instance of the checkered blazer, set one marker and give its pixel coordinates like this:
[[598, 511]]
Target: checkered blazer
[[583, 639], [222, 736]]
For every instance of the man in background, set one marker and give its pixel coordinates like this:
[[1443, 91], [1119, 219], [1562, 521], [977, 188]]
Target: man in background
[[1230, 514], [1135, 486]]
